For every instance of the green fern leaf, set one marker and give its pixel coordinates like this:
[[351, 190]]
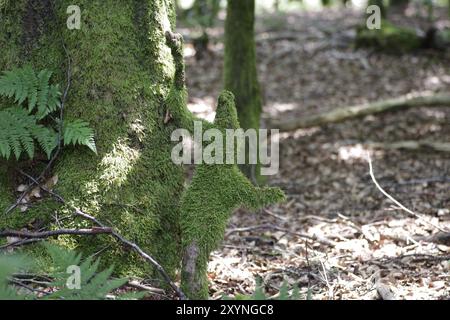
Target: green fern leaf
[[284, 291], [20, 83], [93, 284], [23, 84], [78, 132], [43, 78], [18, 132], [259, 291]]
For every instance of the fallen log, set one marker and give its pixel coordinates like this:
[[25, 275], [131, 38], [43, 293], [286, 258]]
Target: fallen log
[[410, 100], [412, 145]]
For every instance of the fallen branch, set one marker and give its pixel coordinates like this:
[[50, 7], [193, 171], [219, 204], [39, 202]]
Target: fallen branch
[[414, 99], [277, 36], [53, 233], [138, 285], [412, 145], [136, 248], [116, 235], [19, 243]]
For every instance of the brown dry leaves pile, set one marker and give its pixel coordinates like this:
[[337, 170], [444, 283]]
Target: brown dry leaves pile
[[306, 64]]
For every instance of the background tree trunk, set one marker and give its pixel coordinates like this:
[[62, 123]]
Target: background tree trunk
[[240, 76], [380, 4], [121, 73]]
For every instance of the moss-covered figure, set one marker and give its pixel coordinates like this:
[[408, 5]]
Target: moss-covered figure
[[388, 38], [215, 190]]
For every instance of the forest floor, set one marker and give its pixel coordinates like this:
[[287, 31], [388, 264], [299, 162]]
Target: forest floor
[[365, 246]]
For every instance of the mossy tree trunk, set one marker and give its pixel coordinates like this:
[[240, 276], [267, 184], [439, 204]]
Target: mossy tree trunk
[[125, 82], [240, 75], [121, 74]]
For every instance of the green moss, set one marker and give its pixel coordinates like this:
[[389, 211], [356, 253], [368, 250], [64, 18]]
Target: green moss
[[123, 87], [389, 38], [215, 190], [214, 193], [118, 85]]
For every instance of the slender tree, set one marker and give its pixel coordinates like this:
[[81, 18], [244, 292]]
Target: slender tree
[[399, 3], [379, 3], [240, 75]]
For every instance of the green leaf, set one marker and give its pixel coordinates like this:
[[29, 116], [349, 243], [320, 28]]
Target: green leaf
[[19, 131], [78, 132]]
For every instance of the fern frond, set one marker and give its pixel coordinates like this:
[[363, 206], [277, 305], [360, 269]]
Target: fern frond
[[78, 132], [10, 264], [19, 130], [259, 291], [23, 84], [93, 284], [259, 294], [20, 83]]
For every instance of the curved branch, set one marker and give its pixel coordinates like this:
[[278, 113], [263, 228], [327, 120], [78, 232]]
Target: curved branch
[[53, 233], [414, 99]]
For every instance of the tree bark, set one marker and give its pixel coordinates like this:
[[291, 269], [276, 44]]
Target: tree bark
[[415, 99], [121, 74], [240, 74], [379, 3]]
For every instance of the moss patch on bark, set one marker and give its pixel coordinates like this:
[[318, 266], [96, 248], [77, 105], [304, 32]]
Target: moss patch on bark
[[119, 84]]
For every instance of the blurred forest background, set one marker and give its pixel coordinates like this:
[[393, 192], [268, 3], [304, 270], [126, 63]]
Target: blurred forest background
[[315, 57]]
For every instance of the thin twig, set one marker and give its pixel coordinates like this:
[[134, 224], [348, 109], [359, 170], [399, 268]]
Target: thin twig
[[397, 202], [325, 278], [317, 238], [53, 233], [20, 284], [136, 248], [118, 237], [35, 181], [141, 286], [270, 213], [19, 243], [33, 281]]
